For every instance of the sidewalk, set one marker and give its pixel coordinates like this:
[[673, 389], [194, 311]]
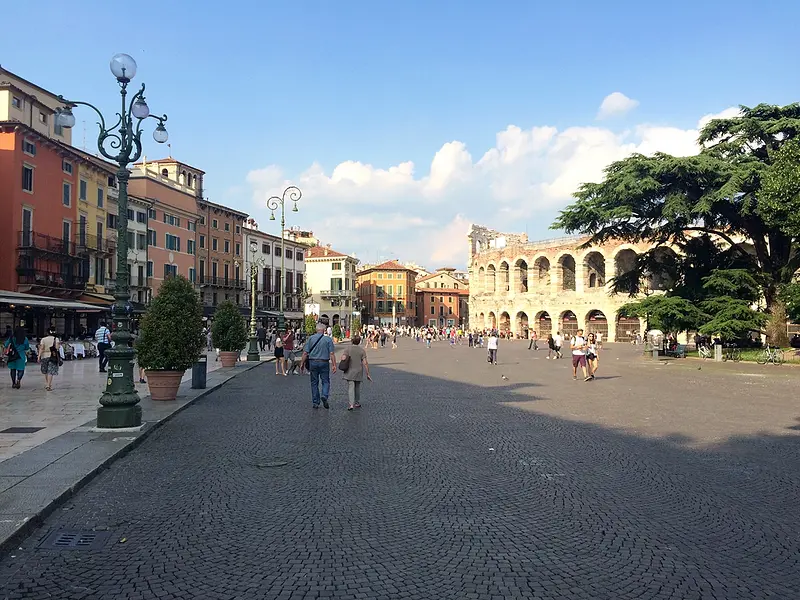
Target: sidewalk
[[37, 478], [73, 402]]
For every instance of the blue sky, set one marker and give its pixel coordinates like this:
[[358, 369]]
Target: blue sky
[[260, 94]]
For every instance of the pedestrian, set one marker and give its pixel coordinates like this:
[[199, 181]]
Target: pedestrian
[[534, 341], [578, 347], [280, 364], [321, 355], [491, 345], [288, 349], [592, 353], [356, 369], [558, 342], [261, 336], [394, 339], [103, 338], [551, 347], [49, 357], [16, 350]]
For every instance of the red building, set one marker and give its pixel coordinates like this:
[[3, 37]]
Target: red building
[[442, 300]]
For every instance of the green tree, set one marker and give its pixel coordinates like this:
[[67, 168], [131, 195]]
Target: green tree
[[790, 295], [670, 314], [355, 326], [337, 332], [310, 324], [229, 329], [663, 199]]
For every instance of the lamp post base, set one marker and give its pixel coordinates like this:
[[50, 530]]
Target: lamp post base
[[281, 323], [119, 416], [252, 350]]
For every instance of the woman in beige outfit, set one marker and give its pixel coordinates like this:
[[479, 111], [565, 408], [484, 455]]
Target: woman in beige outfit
[[355, 372]]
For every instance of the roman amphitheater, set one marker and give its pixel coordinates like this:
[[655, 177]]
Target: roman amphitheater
[[550, 285]]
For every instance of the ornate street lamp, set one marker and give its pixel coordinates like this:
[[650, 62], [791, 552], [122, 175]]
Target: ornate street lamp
[[293, 194], [122, 144], [255, 264]]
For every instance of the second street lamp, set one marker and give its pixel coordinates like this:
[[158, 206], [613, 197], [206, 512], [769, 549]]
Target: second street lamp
[[122, 144], [293, 194], [255, 263]]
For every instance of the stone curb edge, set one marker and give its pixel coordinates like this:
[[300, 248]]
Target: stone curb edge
[[26, 528]]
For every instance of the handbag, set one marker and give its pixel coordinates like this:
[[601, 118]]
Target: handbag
[[12, 353], [344, 363], [305, 363], [55, 355]]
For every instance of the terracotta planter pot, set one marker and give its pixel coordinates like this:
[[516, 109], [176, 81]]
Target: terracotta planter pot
[[228, 359], [164, 384]]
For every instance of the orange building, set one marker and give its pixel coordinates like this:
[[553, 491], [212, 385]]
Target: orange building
[[386, 292], [442, 300], [173, 189]]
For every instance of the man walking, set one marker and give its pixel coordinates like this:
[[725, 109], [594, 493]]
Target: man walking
[[578, 345], [558, 341], [492, 347], [103, 338], [261, 335], [534, 343], [321, 359]]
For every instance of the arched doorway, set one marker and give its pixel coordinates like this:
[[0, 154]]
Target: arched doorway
[[544, 324], [522, 325], [492, 321], [481, 283], [541, 267], [481, 321], [568, 324], [627, 328], [521, 274], [335, 320], [504, 281], [491, 279], [505, 321], [625, 262], [566, 266], [594, 266], [596, 322]]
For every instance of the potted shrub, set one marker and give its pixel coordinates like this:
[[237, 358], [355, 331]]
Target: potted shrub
[[310, 325], [229, 333], [337, 333], [171, 337]]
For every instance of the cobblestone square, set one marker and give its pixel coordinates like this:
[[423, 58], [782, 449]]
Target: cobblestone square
[[456, 480]]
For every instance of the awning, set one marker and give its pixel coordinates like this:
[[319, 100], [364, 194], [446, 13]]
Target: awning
[[18, 299]]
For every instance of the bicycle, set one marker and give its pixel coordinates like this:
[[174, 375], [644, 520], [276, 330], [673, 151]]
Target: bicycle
[[705, 351], [771, 354], [731, 352]]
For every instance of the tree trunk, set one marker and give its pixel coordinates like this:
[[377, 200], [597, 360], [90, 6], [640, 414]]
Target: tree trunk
[[776, 326]]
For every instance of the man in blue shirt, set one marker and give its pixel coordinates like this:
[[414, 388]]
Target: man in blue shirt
[[321, 357]]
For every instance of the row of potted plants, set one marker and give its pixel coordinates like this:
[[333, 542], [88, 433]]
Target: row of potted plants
[[171, 336]]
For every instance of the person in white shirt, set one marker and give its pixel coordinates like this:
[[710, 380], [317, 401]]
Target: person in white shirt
[[578, 346], [592, 351], [492, 347], [558, 341]]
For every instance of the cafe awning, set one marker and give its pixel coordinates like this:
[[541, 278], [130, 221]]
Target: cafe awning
[[20, 300]]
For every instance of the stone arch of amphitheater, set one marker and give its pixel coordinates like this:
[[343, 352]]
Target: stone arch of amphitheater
[[551, 285]]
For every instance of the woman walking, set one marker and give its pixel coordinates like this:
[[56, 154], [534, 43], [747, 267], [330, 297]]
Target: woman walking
[[551, 347], [16, 349], [592, 350], [355, 372], [280, 364], [49, 357]]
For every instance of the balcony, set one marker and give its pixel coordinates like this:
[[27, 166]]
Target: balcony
[[85, 242], [223, 282], [112, 193], [50, 279], [38, 243], [337, 293]]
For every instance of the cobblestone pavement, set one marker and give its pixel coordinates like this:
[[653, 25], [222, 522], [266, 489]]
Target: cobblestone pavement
[[457, 480]]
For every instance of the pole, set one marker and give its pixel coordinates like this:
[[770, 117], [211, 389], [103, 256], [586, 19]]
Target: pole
[[252, 351], [281, 316]]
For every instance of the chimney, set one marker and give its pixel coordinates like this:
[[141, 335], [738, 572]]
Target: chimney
[[326, 252]]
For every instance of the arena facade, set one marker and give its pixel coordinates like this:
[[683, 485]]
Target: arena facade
[[550, 285]]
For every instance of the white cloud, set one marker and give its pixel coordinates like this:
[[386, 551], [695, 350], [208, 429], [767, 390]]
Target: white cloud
[[728, 113], [519, 184], [616, 104]]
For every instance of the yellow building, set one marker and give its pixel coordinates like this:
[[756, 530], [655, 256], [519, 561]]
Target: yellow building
[[96, 230]]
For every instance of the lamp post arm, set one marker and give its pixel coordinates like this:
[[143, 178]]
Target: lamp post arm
[[116, 141]]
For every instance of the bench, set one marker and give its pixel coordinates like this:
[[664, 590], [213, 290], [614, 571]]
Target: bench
[[679, 352]]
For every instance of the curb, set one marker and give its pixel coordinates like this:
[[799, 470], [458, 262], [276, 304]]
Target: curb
[[27, 527]]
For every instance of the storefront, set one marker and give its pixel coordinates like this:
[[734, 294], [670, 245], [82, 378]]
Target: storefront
[[70, 318]]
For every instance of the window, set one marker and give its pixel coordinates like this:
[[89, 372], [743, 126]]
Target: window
[[449, 310], [170, 271], [27, 178], [227, 246], [141, 241], [455, 286], [389, 305], [28, 147], [379, 291], [202, 220], [42, 118], [141, 217], [66, 166], [191, 274], [131, 239], [101, 196], [16, 102], [238, 249], [300, 282], [149, 268], [151, 237], [336, 284], [265, 248], [380, 275], [238, 230], [227, 226], [277, 250], [131, 214], [450, 299], [214, 269], [66, 231], [202, 241], [172, 242], [112, 181], [82, 190], [214, 244], [66, 194], [214, 224], [298, 256], [399, 291], [214, 298], [151, 213], [390, 290], [190, 247], [277, 280], [99, 231], [288, 253], [191, 226], [390, 276], [111, 221], [380, 306], [337, 266]]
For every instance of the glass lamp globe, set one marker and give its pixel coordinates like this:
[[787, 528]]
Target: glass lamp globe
[[140, 109], [123, 67], [294, 208], [160, 134], [65, 118]]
